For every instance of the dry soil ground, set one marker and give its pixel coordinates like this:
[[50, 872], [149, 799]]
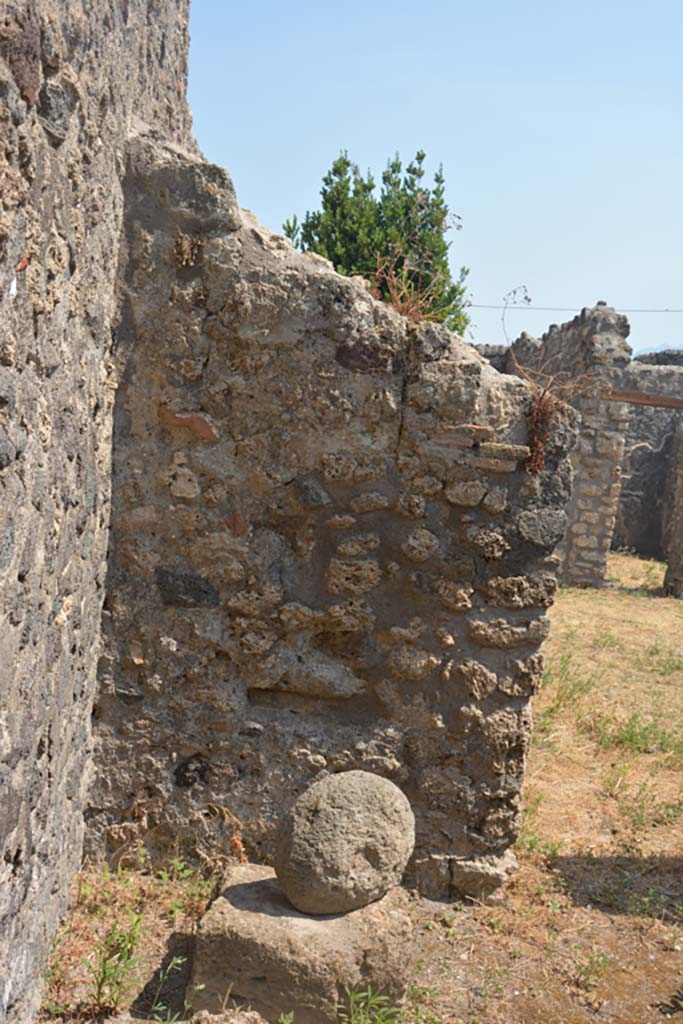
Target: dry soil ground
[[591, 927]]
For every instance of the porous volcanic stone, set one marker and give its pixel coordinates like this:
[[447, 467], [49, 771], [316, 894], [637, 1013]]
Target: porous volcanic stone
[[253, 947], [344, 843]]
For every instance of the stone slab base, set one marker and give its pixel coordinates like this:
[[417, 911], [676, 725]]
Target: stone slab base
[[253, 947]]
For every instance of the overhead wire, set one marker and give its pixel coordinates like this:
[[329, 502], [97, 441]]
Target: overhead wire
[[563, 309]]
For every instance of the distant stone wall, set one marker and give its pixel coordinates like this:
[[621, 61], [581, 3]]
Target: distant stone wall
[[71, 75], [326, 552], [667, 357], [633, 503], [592, 351], [496, 355], [673, 526], [645, 503]]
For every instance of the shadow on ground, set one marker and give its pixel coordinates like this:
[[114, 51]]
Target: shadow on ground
[[163, 996], [650, 886]]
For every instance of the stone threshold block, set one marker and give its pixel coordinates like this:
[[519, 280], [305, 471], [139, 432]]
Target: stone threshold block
[[254, 948]]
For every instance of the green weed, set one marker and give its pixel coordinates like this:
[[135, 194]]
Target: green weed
[[662, 661], [177, 871], [642, 809], [366, 1007], [529, 840], [614, 779], [418, 1010], [635, 734], [160, 1011], [55, 1005], [590, 969], [606, 641], [569, 688], [115, 964]]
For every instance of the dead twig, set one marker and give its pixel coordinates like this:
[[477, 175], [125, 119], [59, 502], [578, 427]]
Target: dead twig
[[551, 395]]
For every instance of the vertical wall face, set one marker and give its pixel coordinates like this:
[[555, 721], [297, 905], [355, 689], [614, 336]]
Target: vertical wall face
[[326, 554], [70, 74], [592, 351], [645, 505], [673, 526]]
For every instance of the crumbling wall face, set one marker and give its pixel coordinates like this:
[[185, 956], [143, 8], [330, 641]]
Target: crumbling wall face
[[70, 74], [649, 459], [326, 553], [592, 352]]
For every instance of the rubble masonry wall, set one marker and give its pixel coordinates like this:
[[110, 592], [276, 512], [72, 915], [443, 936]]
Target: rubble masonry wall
[[71, 75], [590, 351], [645, 506], [326, 552]]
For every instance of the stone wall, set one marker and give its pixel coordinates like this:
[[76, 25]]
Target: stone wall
[[326, 552], [632, 504], [667, 357], [673, 526], [645, 505], [496, 355], [590, 351], [71, 73]]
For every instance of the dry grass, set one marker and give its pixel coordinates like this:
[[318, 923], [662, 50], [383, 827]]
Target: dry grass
[[170, 903], [591, 926]]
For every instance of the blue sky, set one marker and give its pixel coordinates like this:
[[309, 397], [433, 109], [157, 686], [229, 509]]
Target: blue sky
[[558, 125]]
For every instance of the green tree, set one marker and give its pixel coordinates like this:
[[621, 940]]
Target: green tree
[[395, 239]]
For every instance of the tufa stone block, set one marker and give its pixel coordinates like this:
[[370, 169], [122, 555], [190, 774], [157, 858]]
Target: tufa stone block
[[254, 947]]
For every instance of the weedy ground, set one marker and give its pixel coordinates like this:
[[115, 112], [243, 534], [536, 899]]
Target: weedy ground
[[591, 926], [590, 929]]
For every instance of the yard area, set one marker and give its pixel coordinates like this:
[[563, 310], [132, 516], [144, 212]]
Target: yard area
[[591, 926]]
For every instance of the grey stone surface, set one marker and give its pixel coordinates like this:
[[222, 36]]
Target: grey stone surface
[[483, 875], [344, 843], [253, 947], [72, 75], [497, 355]]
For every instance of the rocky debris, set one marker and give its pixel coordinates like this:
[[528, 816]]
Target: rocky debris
[[253, 946], [344, 843]]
